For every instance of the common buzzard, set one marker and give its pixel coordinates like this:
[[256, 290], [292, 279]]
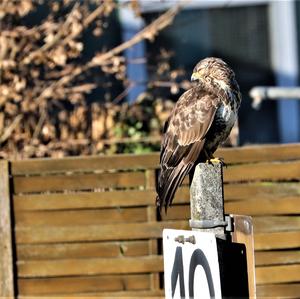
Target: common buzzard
[[201, 119]]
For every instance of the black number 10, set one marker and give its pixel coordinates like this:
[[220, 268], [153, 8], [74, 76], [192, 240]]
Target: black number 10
[[197, 258]]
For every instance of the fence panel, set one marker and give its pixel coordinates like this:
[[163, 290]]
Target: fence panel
[[89, 226]]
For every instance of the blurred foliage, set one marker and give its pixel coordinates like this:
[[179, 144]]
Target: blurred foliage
[[132, 128], [45, 81]]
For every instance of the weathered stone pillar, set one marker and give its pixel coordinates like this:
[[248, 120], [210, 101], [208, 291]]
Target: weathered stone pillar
[[207, 199]]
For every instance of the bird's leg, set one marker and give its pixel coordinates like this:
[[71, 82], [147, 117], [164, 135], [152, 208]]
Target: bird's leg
[[216, 160], [211, 160]]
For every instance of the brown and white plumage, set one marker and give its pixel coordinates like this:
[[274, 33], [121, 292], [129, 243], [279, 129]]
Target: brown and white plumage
[[201, 119]]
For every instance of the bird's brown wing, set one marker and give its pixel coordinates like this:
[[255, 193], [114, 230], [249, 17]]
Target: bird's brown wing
[[183, 140]]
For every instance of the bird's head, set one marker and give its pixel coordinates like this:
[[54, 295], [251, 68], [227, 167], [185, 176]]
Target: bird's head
[[215, 75], [211, 68]]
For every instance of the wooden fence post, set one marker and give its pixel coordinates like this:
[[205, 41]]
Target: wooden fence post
[[6, 255], [243, 233]]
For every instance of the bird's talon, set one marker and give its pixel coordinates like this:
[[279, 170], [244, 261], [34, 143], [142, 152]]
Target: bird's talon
[[209, 161], [216, 160]]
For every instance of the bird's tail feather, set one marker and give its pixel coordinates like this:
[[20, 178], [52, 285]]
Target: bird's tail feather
[[172, 180]]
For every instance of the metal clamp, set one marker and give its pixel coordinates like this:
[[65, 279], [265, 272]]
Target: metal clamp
[[208, 224]]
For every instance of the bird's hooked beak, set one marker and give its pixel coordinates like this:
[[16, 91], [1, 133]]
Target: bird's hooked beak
[[196, 76]]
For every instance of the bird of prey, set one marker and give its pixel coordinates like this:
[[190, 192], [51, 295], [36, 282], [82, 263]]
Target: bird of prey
[[201, 119]]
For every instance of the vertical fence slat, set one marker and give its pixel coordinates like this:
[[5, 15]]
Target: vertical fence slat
[[151, 216], [6, 256]]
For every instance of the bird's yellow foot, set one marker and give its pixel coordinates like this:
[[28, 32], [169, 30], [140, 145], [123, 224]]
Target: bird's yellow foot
[[216, 160]]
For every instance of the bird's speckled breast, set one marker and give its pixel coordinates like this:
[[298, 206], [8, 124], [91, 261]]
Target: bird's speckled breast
[[224, 120]]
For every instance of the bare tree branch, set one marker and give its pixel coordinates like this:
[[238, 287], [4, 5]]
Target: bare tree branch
[[9, 130]]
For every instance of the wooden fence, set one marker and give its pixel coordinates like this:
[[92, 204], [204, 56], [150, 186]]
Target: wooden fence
[[88, 225]]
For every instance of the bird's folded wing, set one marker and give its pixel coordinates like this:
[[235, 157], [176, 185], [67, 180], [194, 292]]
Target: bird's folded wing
[[188, 124], [183, 140]]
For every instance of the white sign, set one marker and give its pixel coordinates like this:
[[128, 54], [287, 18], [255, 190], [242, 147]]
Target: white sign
[[191, 265]]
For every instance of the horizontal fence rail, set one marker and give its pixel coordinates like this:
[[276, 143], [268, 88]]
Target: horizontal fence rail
[[89, 226]]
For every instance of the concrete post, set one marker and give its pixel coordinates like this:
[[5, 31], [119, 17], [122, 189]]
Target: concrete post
[[207, 200]]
